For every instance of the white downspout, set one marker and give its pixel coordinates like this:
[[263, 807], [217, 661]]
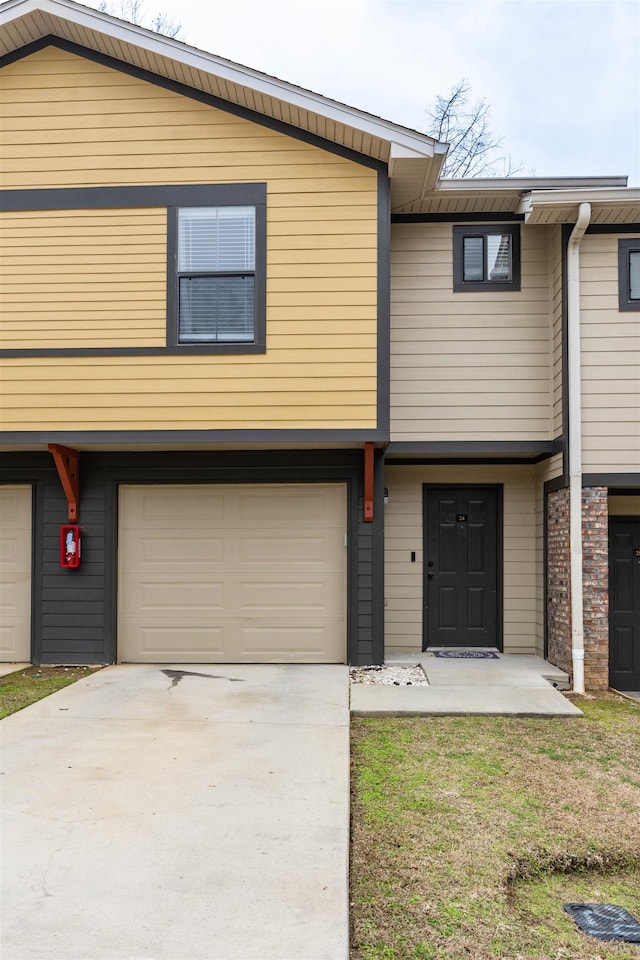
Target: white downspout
[[575, 444]]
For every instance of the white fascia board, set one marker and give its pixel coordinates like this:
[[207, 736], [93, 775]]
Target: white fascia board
[[562, 198], [530, 184], [400, 137]]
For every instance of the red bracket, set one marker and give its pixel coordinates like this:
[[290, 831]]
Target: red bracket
[[67, 463], [368, 482]]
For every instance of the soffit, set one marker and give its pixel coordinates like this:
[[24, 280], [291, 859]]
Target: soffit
[[504, 195]]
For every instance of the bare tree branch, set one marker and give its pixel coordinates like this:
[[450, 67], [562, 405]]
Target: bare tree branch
[[132, 11], [473, 149]]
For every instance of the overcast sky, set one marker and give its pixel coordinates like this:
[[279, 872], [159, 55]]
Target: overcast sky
[[562, 76]]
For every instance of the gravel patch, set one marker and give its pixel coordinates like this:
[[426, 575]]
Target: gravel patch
[[390, 676]]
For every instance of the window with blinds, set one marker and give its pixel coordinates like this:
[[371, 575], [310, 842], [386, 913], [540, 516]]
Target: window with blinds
[[486, 257], [216, 274], [629, 274]]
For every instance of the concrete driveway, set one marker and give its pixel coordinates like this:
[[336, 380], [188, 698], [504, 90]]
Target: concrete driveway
[[179, 813]]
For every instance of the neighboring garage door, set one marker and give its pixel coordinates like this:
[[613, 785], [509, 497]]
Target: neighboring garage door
[[231, 574], [15, 574]]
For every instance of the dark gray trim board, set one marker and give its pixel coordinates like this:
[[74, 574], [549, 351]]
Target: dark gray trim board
[[235, 109], [567, 229], [481, 448], [384, 304], [138, 197], [73, 437], [75, 611], [184, 350], [558, 483], [611, 479], [377, 560], [500, 217], [425, 461], [621, 483], [613, 228]]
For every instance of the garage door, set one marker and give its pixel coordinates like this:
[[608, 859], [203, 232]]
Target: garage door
[[236, 573], [15, 574]]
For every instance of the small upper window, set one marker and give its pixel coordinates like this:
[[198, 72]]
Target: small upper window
[[486, 257], [216, 274], [629, 274], [216, 271]]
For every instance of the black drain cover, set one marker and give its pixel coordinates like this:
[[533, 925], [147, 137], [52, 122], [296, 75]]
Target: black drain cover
[[605, 921]]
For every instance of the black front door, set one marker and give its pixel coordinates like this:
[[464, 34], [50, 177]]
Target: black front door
[[624, 603], [461, 562]]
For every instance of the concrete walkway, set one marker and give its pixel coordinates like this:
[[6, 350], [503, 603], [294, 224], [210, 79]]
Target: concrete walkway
[[7, 668], [509, 685], [168, 815]]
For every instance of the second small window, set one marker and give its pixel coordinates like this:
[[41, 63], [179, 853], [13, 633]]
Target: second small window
[[486, 257]]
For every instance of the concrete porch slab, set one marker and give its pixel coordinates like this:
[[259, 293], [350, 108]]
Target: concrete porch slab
[[482, 699], [509, 685]]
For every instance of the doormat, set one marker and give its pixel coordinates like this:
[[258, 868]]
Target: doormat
[[604, 921], [466, 654]]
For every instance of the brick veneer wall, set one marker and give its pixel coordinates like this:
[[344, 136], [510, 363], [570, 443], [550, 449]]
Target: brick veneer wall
[[595, 545], [595, 560]]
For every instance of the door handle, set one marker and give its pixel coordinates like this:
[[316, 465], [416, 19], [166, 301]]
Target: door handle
[[430, 576]]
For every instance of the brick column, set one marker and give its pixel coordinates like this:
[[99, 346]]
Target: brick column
[[595, 559], [595, 579]]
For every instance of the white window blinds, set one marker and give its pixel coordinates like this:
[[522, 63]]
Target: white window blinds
[[216, 274]]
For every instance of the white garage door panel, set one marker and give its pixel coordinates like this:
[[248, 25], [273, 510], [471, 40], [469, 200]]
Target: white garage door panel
[[229, 574], [15, 574]]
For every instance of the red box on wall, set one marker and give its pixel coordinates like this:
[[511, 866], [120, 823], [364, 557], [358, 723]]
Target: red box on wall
[[70, 546]]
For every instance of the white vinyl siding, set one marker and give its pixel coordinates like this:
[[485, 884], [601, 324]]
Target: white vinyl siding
[[404, 535], [468, 366], [610, 363], [555, 295]]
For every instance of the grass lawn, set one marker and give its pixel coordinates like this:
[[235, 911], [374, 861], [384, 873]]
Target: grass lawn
[[18, 690], [470, 833]]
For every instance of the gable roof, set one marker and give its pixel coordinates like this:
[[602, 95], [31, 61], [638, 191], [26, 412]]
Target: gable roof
[[414, 159]]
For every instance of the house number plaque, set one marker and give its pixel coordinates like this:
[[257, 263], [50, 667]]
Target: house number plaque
[[461, 517], [636, 552]]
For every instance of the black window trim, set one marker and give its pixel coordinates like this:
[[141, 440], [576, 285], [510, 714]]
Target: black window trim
[[625, 247], [460, 231], [220, 195]]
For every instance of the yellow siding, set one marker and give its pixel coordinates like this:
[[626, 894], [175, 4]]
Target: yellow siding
[[610, 363], [403, 534], [97, 278], [467, 366]]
